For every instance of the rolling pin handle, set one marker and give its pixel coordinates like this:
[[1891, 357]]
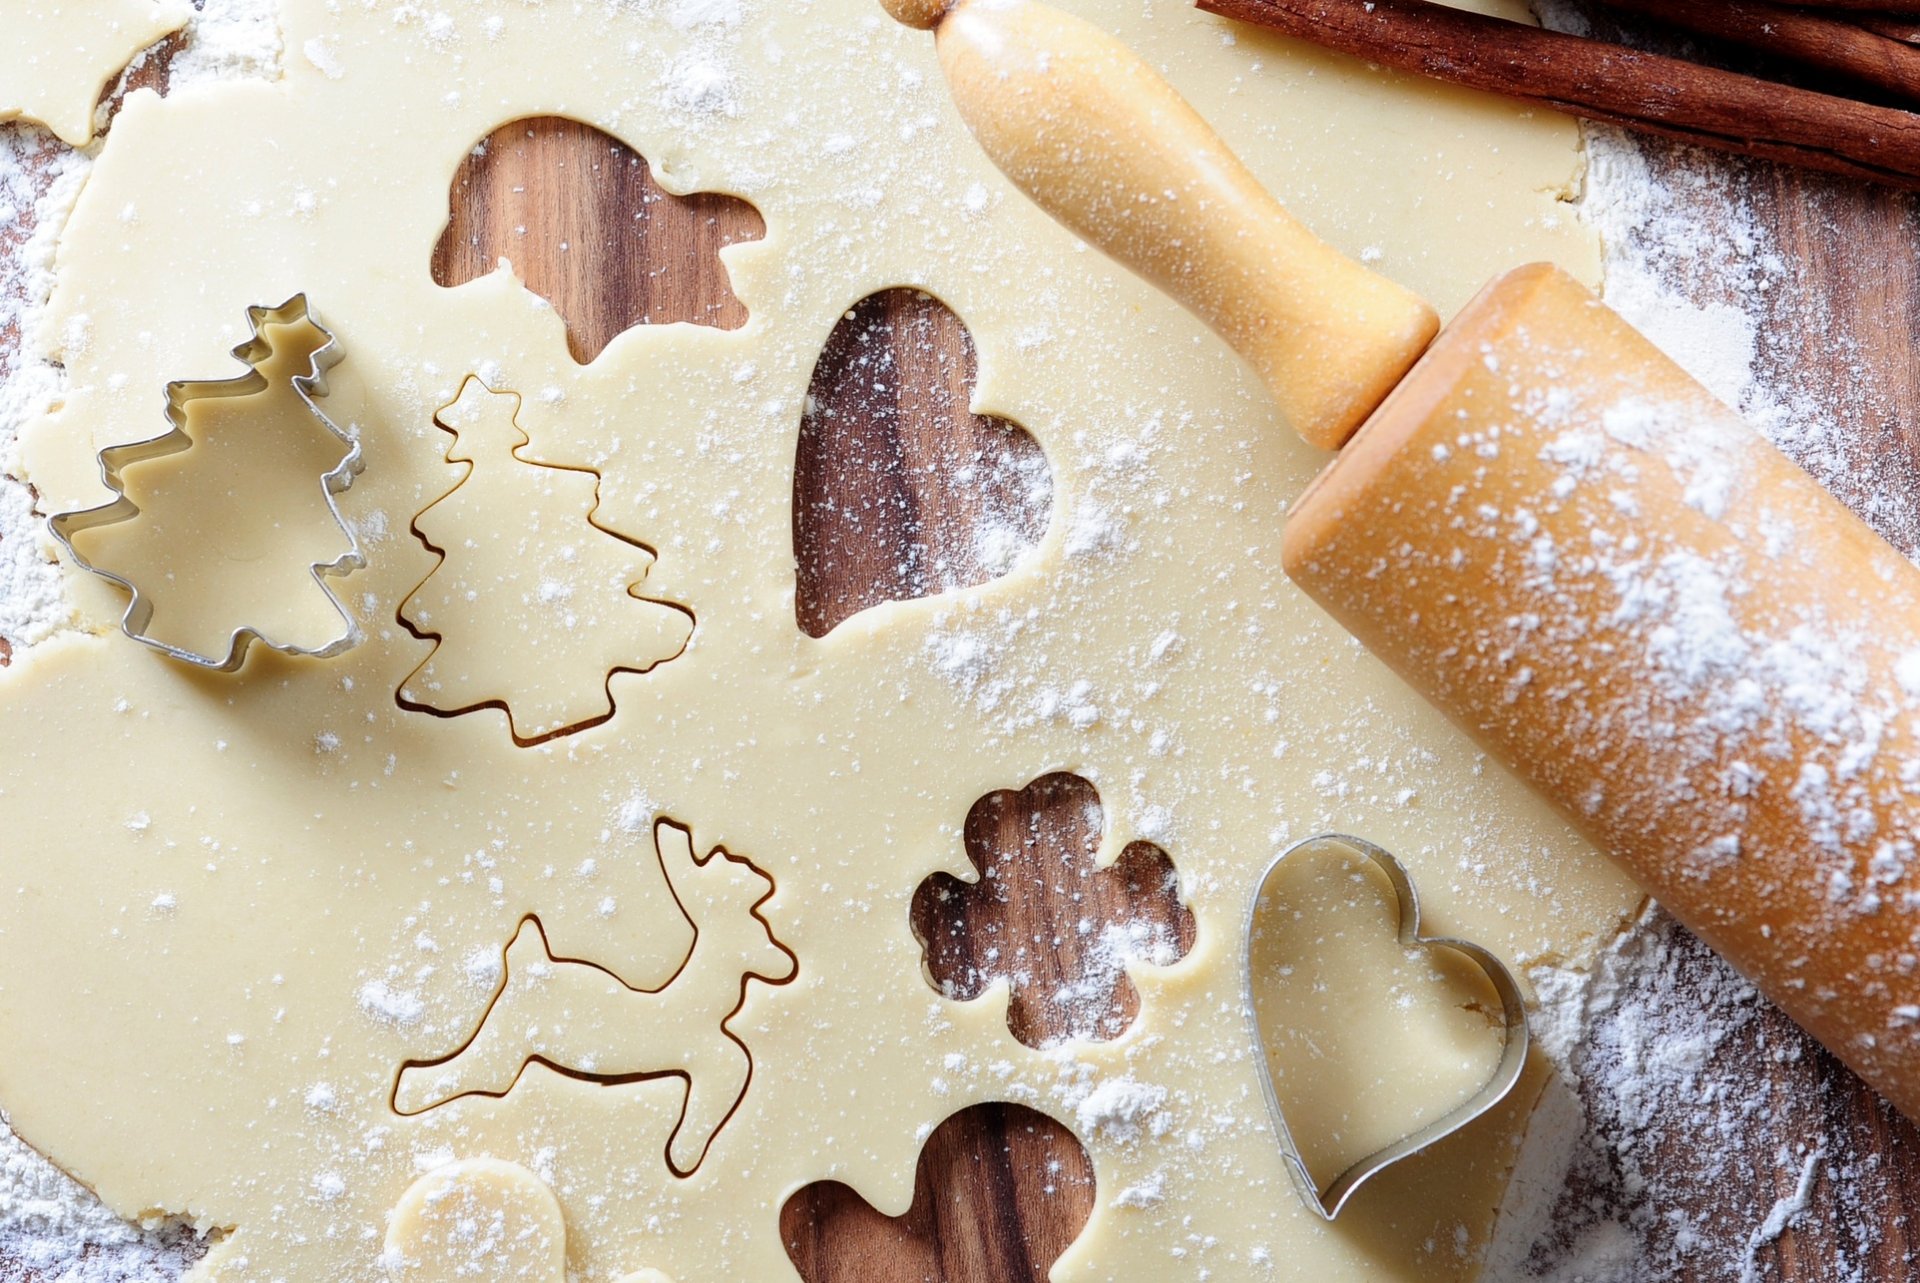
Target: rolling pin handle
[[1103, 143]]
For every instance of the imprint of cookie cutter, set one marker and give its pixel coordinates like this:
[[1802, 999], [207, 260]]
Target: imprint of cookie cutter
[[1329, 1201], [113, 459]]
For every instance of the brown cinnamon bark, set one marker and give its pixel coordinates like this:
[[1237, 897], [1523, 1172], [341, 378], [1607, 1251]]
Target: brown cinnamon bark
[[1830, 41], [1607, 82], [1905, 30]]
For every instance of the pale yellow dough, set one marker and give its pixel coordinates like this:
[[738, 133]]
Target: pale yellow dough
[[57, 55], [236, 906], [484, 1221]]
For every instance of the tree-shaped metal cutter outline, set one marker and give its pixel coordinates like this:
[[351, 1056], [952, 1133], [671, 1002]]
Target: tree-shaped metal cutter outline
[[139, 612]]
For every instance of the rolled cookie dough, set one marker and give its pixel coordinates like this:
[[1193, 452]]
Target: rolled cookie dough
[[58, 55]]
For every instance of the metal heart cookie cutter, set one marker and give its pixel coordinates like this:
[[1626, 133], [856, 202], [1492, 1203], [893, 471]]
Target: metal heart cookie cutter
[[1329, 1201], [114, 459]]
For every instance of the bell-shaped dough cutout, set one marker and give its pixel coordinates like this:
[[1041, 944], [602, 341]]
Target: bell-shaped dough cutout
[[1368, 1040], [1000, 1192], [1041, 916], [899, 489], [588, 227], [482, 1220]]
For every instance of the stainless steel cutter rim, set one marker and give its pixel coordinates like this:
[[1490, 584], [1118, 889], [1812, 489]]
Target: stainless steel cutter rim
[[139, 612], [1329, 1202]]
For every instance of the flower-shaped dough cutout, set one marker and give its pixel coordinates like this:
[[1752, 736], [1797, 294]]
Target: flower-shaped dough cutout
[[481, 1220], [535, 604], [588, 227], [1041, 916], [57, 58], [896, 475], [1000, 1192]]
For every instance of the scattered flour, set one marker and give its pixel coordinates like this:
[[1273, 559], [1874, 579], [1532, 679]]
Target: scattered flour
[[229, 40], [1671, 1065], [1122, 1110], [58, 1229]]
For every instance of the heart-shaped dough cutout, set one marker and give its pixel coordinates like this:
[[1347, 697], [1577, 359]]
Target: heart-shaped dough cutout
[[899, 489], [1374, 1041]]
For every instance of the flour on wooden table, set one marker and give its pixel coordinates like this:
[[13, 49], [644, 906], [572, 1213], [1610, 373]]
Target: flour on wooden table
[[1657, 1099]]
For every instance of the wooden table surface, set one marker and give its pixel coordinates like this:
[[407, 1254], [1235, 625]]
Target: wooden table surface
[[878, 515]]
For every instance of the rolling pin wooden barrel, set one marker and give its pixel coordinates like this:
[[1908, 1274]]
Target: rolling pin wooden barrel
[[1548, 528]]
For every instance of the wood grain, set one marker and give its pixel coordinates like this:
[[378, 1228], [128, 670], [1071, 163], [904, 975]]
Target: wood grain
[[587, 227], [999, 1192], [1039, 915], [1842, 325], [899, 490]]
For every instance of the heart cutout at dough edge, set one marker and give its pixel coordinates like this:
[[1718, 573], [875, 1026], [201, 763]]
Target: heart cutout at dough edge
[[1330, 1200]]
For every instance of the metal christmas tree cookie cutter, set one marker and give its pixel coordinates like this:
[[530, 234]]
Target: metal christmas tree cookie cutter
[[1330, 1199], [114, 459]]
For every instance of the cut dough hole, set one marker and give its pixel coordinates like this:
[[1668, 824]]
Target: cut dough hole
[[899, 490], [1000, 1192], [1042, 917], [587, 227]]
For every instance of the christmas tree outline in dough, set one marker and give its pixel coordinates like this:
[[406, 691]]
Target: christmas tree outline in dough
[[283, 339], [481, 1220], [535, 685], [547, 999]]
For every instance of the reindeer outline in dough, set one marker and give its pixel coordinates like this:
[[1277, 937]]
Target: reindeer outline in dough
[[581, 1020]]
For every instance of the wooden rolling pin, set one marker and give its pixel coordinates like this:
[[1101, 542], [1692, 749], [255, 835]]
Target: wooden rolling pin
[[1549, 529]]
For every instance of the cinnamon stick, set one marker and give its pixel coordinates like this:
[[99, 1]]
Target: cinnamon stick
[[1607, 82], [1905, 30], [1820, 40]]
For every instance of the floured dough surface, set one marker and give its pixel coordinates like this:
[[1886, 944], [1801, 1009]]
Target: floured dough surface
[[238, 907], [59, 54]]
